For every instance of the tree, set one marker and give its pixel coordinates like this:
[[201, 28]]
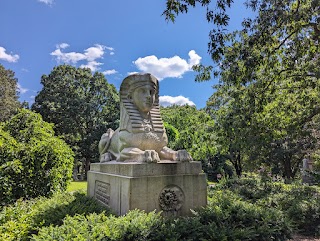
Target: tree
[[290, 25], [9, 103], [192, 129], [33, 161], [82, 106], [269, 80]]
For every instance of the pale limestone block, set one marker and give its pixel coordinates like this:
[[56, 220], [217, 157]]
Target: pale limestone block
[[173, 188]]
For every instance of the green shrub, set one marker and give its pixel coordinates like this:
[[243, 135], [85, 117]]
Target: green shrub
[[172, 133], [299, 203], [24, 218], [33, 161], [227, 217], [136, 225]]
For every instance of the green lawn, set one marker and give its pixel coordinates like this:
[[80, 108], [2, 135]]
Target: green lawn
[[78, 185]]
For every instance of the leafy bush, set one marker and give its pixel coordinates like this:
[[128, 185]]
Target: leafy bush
[[225, 218], [299, 203], [24, 218], [172, 133], [231, 218], [136, 225], [33, 161]]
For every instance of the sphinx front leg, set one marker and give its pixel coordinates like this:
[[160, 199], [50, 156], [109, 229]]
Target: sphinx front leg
[[181, 156], [136, 155]]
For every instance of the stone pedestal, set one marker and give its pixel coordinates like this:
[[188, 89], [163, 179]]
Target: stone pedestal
[[173, 188]]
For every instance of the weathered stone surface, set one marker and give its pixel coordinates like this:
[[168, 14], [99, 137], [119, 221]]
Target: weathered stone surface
[[141, 136], [152, 169], [173, 188], [137, 169]]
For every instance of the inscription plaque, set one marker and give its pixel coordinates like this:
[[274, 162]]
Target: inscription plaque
[[102, 192]]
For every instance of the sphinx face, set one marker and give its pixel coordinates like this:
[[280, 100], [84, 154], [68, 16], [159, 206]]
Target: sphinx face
[[143, 98]]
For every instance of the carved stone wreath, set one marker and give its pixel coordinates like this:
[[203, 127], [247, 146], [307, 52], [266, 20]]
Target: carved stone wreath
[[171, 198]]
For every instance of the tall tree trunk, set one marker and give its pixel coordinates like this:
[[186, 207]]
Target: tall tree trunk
[[87, 167], [236, 161], [288, 174]]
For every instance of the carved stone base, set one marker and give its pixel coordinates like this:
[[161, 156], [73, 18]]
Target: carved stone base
[[173, 188]]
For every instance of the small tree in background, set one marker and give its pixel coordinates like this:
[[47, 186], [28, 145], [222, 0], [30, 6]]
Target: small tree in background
[[33, 161], [9, 103], [193, 130]]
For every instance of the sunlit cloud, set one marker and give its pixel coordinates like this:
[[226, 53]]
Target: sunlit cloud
[[167, 100], [12, 58], [109, 72], [173, 67], [21, 89], [90, 55], [47, 2]]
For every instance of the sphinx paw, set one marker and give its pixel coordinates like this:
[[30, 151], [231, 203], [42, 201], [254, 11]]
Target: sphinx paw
[[150, 156], [106, 157], [183, 156]]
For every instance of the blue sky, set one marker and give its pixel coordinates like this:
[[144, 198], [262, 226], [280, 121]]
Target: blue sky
[[112, 37]]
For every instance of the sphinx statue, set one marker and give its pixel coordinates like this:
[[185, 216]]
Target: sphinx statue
[[141, 136]]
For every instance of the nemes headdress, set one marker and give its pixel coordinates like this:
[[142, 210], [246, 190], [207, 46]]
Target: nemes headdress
[[130, 118]]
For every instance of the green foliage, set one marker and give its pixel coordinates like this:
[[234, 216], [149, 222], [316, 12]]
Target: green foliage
[[9, 103], [266, 104], [225, 218], [33, 161], [299, 203], [82, 106], [25, 218], [193, 130], [232, 218], [136, 225], [266, 107], [172, 133], [238, 209]]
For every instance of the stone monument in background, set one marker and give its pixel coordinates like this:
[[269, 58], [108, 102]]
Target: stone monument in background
[[137, 169]]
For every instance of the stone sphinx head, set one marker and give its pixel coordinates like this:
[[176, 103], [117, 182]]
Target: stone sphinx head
[[139, 98]]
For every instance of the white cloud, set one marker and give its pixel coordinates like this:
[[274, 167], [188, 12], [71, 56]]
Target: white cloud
[[95, 52], [109, 72], [12, 58], [48, 2], [193, 58], [93, 65], [174, 100], [173, 67], [90, 55], [62, 46], [21, 89], [109, 48], [130, 73]]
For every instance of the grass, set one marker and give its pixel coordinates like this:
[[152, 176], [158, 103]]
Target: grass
[[78, 185]]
